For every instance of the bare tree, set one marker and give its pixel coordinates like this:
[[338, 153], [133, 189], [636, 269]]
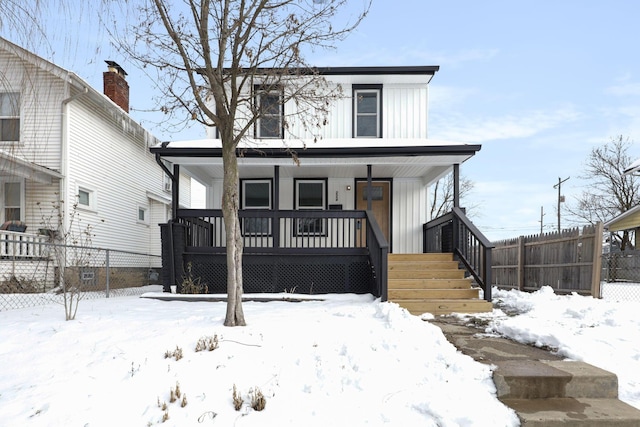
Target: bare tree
[[209, 56], [442, 195], [609, 192]]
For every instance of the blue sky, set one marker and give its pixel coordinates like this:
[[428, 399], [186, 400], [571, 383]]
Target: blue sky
[[537, 83]]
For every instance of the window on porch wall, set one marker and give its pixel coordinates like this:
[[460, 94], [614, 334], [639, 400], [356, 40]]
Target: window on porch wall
[[12, 201], [256, 194], [311, 194]]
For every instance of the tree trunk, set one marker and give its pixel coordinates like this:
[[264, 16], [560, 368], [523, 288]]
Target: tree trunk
[[230, 205]]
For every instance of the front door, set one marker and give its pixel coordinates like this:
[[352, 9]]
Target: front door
[[380, 203]]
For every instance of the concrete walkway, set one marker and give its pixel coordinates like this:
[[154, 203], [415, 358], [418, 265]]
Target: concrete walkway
[[543, 389]]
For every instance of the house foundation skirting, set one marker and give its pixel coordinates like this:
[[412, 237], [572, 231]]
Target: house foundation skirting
[[274, 273]]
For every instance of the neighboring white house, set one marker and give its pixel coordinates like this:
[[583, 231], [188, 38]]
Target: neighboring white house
[[374, 155], [62, 140]]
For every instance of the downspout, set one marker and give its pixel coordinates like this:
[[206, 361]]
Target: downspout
[[64, 147]]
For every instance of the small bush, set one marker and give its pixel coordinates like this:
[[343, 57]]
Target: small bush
[[258, 401], [176, 354], [183, 403], [191, 285], [237, 399], [207, 343]]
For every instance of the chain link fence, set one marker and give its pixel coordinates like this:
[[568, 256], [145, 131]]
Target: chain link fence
[[621, 276], [31, 272]]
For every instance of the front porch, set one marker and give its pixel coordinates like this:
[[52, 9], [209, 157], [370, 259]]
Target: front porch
[[332, 251]]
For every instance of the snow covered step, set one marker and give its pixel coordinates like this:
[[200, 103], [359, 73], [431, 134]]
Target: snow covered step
[[574, 412], [542, 379]]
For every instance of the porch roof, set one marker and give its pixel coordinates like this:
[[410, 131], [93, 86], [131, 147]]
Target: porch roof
[[625, 221], [340, 158], [12, 165]]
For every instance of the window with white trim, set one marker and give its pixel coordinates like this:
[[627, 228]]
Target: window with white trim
[[310, 194], [12, 201], [166, 180], [256, 194], [367, 114], [270, 111], [86, 198], [9, 117], [143, 214]]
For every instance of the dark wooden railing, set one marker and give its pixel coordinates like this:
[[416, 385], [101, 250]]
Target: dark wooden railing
[[330, 232], [455, 233]]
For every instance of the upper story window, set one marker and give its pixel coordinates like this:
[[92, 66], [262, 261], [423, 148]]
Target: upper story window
[[9, 117], [367, 111], [270, 110]]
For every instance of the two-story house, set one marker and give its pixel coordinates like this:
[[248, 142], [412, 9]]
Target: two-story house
[[351, 214], [63, 143]]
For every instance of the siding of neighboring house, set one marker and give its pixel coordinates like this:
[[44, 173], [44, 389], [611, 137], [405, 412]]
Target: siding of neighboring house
[[110, 158]]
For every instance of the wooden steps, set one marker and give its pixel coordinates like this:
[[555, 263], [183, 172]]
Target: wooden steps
[[432, 283]]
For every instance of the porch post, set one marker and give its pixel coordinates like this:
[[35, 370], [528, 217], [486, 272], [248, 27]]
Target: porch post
[[369, 179], [456, 185], [275, 226], [175, 191]]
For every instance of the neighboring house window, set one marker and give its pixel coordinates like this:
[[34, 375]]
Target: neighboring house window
[[143, 214], [13, 201], [86, 198], [256, 194], [310, 194], [367, 112], [270, 110], [9, 117]]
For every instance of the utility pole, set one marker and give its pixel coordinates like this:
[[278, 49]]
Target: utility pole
[[560, 197], [541, 219]]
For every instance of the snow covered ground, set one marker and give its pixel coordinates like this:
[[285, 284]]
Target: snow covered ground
[[346, 361]]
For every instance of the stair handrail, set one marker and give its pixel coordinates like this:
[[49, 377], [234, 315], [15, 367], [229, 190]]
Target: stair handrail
[[456, 233]]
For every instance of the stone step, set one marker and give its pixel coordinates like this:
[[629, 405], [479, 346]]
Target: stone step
[[445, 306], [574, 412], [542, 379], [399, 295], [430, 283]]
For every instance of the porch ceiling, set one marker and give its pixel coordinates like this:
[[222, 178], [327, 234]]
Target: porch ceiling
[[424, 159]]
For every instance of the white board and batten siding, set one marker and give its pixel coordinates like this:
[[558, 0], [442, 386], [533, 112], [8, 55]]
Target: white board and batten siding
[[108, 155], [409, 213]]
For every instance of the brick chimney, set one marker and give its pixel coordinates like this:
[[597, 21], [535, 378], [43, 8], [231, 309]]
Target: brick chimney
[[116, 86]]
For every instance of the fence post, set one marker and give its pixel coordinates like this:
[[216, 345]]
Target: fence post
[[107, 273], [521, 261], [596, 292]]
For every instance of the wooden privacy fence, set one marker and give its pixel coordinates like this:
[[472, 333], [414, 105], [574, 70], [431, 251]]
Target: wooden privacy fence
[[568, 261]]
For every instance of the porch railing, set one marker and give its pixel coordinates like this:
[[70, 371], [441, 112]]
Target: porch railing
[[330, 232], [277, 231], [455, 233], [22, 245]]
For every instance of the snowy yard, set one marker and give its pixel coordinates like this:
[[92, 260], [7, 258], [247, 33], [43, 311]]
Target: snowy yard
[[346, 361]]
